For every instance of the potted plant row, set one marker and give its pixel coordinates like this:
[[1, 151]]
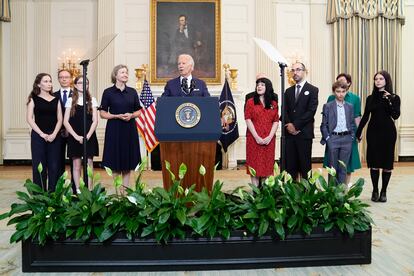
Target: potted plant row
[[284, 223]]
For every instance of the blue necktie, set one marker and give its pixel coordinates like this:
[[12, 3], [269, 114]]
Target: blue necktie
[[65, 97], [184, 86]]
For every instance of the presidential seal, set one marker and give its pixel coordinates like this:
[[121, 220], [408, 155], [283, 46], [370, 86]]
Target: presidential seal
[[187, 115]]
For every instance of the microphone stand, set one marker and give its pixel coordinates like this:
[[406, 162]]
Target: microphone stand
[[85, 64], [282, 158]]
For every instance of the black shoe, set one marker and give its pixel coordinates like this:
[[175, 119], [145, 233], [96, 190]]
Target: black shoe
[[374, 196], [383, 197]]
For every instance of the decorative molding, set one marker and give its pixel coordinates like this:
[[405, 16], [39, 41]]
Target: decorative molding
[[42, 37], [19, 69]]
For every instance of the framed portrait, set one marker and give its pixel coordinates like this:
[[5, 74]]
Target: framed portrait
[[185, 27]]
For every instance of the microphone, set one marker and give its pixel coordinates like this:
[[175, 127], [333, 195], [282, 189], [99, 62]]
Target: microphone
[[192, 85]]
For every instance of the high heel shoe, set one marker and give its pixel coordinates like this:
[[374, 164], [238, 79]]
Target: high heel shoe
[[383, 197], [375, 196]]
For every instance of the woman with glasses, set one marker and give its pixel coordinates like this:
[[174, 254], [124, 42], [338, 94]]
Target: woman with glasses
[[73, 122]]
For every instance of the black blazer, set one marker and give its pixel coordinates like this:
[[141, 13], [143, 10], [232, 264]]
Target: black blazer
[[301, 113], [57, 95], [251, 94]]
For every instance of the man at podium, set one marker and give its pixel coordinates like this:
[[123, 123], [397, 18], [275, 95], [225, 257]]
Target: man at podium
[[185, 85]]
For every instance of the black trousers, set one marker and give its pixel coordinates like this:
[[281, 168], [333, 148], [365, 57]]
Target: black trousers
[[298, 156], [49, 155]]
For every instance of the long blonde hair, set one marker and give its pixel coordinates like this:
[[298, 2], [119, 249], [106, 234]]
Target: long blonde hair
[[75, 97]]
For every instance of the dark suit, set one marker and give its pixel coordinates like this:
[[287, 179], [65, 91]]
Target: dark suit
[[198, 88], [251, 94], [339, 147], [300, 113], [64, 141]]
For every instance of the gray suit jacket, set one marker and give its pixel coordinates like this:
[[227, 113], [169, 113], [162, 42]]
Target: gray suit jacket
[[330, 116]]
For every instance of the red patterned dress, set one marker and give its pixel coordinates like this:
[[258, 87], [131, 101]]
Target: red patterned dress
[[260, 157]]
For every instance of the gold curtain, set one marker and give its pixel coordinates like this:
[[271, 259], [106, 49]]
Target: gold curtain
[[367, 38], [5, 14]]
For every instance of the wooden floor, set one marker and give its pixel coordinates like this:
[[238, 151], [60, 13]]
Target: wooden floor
[[393, 232]]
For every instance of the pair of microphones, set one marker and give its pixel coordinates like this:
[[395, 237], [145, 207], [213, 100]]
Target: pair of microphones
[[187, 89]]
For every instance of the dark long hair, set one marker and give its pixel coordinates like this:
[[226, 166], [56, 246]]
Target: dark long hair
[[388, 83], [36, 89], [268, 93], [75, 97]]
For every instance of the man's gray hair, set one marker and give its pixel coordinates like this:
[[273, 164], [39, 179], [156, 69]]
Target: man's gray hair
[[189, 57]]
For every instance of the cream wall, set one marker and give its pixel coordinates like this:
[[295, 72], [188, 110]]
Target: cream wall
[[41, 30]]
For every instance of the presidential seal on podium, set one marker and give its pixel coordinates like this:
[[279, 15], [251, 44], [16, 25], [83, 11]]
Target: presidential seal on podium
[[188, 115]]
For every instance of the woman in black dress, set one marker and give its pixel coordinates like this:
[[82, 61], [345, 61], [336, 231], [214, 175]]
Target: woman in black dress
[[382, 107], [120, 106], [44, 116], [73, 122]]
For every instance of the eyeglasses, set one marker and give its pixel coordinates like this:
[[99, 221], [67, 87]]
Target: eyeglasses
[[297, 70], [64, 77]]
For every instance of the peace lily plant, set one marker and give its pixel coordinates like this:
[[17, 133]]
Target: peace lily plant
[[281, 207]]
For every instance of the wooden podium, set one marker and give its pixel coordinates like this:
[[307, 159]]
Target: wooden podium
[[188, 129]]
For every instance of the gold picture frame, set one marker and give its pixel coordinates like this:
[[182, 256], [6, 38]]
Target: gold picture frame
[[199, 36]]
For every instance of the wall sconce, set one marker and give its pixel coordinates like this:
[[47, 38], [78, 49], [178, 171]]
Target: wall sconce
[[69, 61], [141, 74], [231, 74]]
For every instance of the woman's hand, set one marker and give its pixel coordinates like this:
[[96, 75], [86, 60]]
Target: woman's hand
[[259, 140], [79, 139], [267, 140], [88, 136], [126, 117], [51, 137], [44, 136]]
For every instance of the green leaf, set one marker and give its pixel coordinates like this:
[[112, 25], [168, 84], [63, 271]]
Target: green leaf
[[201, 222], [250, 215], [90, 172], [164, 217], [118, 181], [17, 236], [292, 221], [328, 226], [180, 213], [33, 188], [106, 234], [147, 231], [18, 208], [264, 225], [141, 166], [5, 215], [280, 230]]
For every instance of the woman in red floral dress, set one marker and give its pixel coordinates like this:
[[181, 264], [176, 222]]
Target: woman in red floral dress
[[261, 115]]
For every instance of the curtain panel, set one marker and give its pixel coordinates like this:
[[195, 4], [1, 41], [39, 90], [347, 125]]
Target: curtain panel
[[5, 14]]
